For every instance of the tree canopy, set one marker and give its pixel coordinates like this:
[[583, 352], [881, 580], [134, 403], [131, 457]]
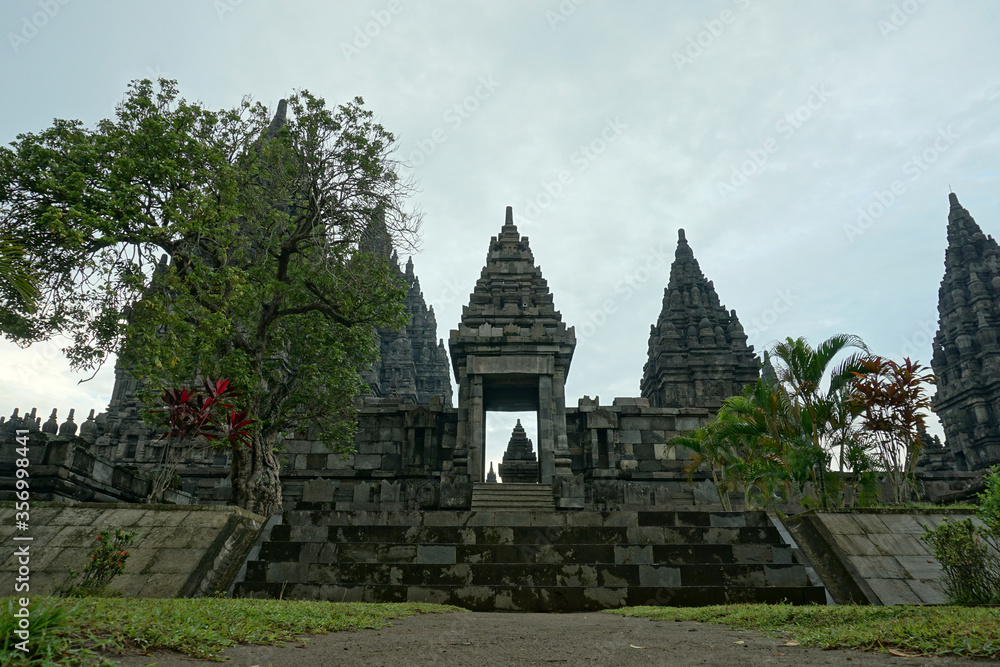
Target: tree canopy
[[268, 228]]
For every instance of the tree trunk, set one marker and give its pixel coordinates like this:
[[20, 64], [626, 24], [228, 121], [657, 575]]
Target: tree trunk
[[256, 485]]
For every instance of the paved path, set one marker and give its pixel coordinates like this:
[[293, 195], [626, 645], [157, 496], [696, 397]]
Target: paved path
[[495, 639]]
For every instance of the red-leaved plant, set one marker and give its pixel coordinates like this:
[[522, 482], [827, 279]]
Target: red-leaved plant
[[188, 415]]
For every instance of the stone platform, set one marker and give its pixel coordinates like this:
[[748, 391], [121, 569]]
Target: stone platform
[[529, 561]]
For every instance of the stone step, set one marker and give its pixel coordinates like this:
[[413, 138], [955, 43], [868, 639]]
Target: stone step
[[666, 554], [434, 573], [512, 497], [529, 560], [322, 514], [539, 598], [648, 535]]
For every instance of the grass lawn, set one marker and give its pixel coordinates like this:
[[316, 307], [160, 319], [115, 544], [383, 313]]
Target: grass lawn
[[67, 631], [64, 631], [972, 632]]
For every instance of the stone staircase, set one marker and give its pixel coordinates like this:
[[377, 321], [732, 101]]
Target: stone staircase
[[529, 561], [512, 497]]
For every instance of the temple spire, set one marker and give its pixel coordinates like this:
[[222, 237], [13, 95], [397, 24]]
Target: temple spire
[[966, 357], [698, 352], [508, 221]]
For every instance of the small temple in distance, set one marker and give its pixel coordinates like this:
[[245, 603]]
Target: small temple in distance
[[520, 466]]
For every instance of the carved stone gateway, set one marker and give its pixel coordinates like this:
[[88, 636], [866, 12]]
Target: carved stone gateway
[[511, 352]]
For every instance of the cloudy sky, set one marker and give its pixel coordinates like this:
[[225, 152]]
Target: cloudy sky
[[806, 147]]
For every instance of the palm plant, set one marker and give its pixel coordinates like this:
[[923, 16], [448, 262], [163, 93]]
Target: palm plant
[[824, 416], [709, 449]]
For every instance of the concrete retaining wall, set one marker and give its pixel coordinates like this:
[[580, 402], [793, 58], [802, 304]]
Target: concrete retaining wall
[[874, 556], [179, 551]]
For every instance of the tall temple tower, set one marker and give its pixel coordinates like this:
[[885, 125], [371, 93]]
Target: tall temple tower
[[698, 352], [966, 351], [413, 364]]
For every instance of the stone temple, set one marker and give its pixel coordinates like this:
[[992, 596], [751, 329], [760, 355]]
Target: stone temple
[[966, 356], [512, 351], [698, 352], [599, 512]]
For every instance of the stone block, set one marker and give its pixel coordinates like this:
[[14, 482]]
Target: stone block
[[319, 490], [857, 545], [752, 553], [878, 567], [309, 533], [659, 576], [632, 437], [899, 545], [728, 519], [921, 567], [664, 452], [631, 422], [905, 523], [928, 591], [437, 554], [428, 595], [634, 555], [785, 575], [288, 572], [161, 585], [893, 591], [841, 524], [367, 461]]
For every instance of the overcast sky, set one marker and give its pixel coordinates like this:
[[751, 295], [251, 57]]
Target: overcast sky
[[807, 148]]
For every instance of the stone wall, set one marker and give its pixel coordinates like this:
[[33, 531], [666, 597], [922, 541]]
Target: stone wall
[[407, 458], [179, 551], [66, 469]]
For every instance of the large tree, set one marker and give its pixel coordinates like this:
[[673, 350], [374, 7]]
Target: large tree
[[265, 226]]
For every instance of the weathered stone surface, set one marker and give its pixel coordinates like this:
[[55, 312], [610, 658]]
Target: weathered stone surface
[[178, 551], [607, 560], [873, 557], [966, 357]]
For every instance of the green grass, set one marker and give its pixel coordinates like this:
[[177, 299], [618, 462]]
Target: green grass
[[202, 627], [972, 632]]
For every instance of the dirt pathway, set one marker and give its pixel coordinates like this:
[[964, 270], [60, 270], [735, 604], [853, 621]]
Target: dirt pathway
[[453, 640]]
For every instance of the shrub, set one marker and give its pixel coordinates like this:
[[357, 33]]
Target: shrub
[[107, 561], [970, 554]]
